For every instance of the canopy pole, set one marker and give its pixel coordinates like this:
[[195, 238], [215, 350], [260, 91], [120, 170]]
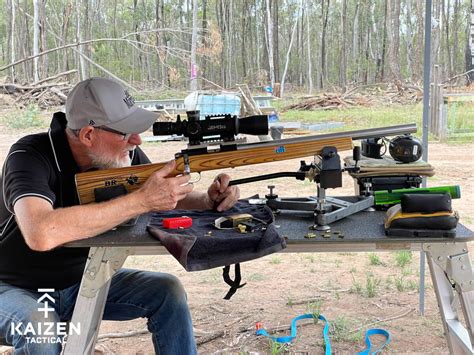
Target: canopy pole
[[426, 119]]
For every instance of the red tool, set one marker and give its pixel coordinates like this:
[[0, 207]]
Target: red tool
[[177, 222]]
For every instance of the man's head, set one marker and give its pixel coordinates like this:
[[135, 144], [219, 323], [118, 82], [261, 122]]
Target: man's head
[[106, 122]]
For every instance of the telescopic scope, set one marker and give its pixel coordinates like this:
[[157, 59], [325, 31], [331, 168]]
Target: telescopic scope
[[224, 127]]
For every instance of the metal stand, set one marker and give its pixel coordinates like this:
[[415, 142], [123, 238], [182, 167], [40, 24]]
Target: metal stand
[[453, 281], [326, 209], [101, 266]]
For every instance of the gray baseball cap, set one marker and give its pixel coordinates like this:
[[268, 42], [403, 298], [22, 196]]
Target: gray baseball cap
[[103, 102]]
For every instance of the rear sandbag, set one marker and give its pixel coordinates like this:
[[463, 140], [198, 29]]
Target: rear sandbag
[[420, 233], [396, 219], [425, 203]]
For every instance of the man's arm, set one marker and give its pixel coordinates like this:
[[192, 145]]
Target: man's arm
[[45, 228]]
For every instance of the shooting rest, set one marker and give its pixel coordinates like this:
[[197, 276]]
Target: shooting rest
[[448, 259], [327, 173]]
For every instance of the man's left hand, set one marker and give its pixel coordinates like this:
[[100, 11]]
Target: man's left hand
[[221, 195]]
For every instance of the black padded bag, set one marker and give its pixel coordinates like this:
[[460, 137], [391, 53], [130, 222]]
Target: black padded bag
[[426, 203], [196, 249]]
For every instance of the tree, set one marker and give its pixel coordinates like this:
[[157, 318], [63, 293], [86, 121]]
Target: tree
[[393, 30], [36, 35], [470, 56], [300, 8], [270, 44], [193, 84], [308, 51]]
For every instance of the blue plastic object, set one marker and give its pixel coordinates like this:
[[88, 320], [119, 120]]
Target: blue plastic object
[[209, 104], [273, 117]]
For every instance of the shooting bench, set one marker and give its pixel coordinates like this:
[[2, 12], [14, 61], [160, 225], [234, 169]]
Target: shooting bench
[[448, 259]]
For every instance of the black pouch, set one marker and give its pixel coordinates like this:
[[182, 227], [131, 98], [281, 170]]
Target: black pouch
[[425, 203], [197, 249]]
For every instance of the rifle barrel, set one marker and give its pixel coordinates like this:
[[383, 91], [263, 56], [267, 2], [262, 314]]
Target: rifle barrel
[[358, 134]]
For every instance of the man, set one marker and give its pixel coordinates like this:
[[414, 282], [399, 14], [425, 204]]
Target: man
[[40, 213]]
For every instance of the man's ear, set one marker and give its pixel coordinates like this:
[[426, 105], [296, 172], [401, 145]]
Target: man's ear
[[87, 135]]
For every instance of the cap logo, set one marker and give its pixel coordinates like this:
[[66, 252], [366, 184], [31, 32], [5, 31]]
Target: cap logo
[[91, 123], [128, 99]]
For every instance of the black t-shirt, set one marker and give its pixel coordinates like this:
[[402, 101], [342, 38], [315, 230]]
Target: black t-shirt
[[41, 165]]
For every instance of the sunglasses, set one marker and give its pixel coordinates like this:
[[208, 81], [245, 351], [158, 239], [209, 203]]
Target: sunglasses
[[125, 136]]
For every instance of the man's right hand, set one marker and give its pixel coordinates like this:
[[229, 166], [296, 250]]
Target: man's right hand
[[162, 192]]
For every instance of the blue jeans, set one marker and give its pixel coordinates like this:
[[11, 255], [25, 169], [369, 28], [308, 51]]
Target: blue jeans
[[133, 294]]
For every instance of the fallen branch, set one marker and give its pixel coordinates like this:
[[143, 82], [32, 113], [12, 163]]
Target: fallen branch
[[382, 321], [10, 88], [207, 338], [72, 71], [305, 301], [59, 93], [279, 328], [458, 76], [334, 290], [128, 334]]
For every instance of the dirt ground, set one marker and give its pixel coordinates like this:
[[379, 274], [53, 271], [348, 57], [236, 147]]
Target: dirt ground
[[351, 292]]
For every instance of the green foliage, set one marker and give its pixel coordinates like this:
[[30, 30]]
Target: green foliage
[[402, 284], [256, 277], [360, 117], [275, 260], [27, 118], [356, 286], [278, 348], [315, 309], [371, 284], [341, 330], [403, 257], [374, 259]]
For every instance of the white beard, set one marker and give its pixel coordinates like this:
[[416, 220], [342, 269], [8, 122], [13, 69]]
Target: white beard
[[102, 161]]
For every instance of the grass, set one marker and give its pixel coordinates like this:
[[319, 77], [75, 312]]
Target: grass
[[371, 285], [315, 309], [403, 284], [374, 259], [27, 118], [370, 289], [275, 260], [459, 118], [403, 257], [278, 348], [341, 331], [256, 277]]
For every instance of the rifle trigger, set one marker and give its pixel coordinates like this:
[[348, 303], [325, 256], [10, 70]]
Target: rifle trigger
[[187, 168]]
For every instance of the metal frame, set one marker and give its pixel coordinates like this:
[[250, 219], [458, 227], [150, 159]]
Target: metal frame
[[450, 266]]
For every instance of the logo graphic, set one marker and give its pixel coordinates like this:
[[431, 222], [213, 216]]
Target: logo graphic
[[44, 299], [91, 123], [110, 182], [132, 180], [128, 99], [280, 149], [46, 332]]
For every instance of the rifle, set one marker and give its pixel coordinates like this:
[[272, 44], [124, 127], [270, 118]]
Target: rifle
[[231, 155]]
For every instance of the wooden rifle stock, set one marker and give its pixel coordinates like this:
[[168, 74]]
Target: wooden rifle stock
[[132, 178]]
